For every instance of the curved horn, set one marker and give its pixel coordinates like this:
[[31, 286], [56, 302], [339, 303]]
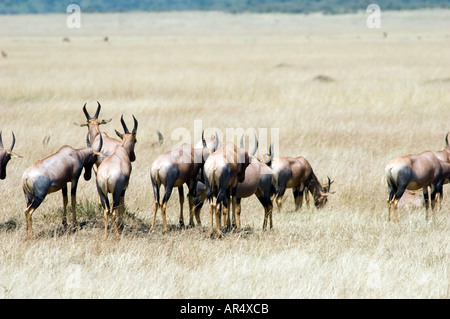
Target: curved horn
[[98, 110], [13, 141], [88, 117], [133, 132], [446, 139], [216, 142], [100, 145], [125, 128], [329, 184], [255, 148], [203, 140], [1, 142], [160, 137], [241, 144], [88, 141], [271, 154]]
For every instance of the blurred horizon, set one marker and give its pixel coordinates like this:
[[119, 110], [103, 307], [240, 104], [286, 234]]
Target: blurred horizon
[[230, 6]]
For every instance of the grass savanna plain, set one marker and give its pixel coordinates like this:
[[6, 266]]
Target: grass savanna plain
[[346, 97]]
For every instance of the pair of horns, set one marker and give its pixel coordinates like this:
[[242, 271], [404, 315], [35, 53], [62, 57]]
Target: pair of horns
[[12, 144], [10, 150], [97, 112], [328, 185], [125, 128]]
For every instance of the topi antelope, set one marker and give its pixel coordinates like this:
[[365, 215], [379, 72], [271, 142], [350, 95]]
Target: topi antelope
[[414, 172], [6, 154], [52, 174], [258, 182], [223, 170], [297, 173], [174, 169], [113, 176]]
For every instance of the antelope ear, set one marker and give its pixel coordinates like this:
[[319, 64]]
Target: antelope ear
[[119, 134], [160, 137], [97, 153], [104, 121], [13, 154], [80, 124], [327, 194]]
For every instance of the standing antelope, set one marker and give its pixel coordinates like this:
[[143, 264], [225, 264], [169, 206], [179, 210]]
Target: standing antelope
[[297, 173], [223, 170], [257, 181], [52, 174], [174, 169], [113, 176], [414, 172], [6, 154]]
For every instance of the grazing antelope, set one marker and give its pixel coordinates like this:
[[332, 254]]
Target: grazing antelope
[[297, 173], [52, 174], [6, 154], [113, 176], [258, 181], [414, 172], [174, 169], [223, 170], [4, 54]]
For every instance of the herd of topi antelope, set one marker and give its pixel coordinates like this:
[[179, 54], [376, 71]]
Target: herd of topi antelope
[[221, 174]]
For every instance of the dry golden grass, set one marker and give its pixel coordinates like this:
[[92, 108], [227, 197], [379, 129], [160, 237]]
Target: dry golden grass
[[386, 97]]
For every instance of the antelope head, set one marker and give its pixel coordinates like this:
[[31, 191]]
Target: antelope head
[[320, 199], [128, 139], [92, 121], [207, 151], [6, 154], [266, 158]]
